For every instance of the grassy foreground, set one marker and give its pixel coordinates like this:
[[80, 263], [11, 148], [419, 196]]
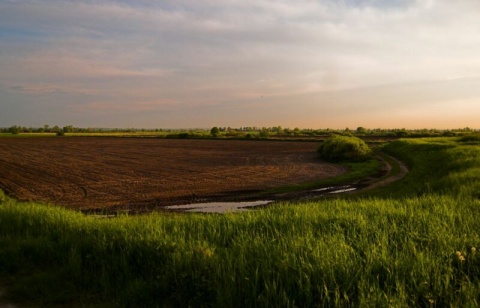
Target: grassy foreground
[[413, 244]]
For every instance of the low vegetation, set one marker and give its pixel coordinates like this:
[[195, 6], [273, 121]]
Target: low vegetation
[[472, 138], [344, 148], [247, 132], [415, 244]]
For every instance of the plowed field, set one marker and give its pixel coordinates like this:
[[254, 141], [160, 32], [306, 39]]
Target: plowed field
[[92, 173]]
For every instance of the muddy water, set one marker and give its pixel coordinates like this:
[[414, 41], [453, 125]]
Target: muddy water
[[343, 190], [223, 207], [335, 190], [217, 207]]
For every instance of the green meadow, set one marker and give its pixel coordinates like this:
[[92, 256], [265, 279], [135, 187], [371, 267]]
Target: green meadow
[[411, 244]]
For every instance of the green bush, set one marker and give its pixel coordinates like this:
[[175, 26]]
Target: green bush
[[178, 136], [14, 130], [215, 131], [341, 148]]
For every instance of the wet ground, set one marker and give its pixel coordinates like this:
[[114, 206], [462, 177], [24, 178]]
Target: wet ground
[[382, 178]]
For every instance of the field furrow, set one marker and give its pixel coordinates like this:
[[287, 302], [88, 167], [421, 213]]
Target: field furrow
[[88, 173]]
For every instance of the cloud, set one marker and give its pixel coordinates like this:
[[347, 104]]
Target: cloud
[[123, 107], [212, 53], [35, 89]]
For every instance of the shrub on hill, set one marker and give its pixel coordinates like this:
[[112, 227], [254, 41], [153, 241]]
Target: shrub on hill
[[340, 148]]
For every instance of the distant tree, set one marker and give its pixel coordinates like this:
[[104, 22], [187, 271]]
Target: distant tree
[[448, 133], [361, 130], [215, 131], [14, 130], [402, 133], [68, 129], [264, 133]]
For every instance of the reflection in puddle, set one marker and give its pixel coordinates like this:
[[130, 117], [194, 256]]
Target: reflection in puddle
[[217, 207], [342, 190], [223, 207], [335, 190], [324, 189]]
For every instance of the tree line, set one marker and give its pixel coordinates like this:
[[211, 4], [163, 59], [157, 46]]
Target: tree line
[[250, 131]]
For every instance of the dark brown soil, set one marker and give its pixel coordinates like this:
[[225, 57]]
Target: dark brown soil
[[123, 173]]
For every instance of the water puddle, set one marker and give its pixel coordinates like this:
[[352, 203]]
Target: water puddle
[[343, 190], [218, 207], [223, 207], [324, 189], [335, 190]]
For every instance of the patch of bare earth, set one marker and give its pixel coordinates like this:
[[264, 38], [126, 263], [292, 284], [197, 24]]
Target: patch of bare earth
[[92, 173]]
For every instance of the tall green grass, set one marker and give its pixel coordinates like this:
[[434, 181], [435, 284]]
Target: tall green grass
[[415, 250], [444, 166]]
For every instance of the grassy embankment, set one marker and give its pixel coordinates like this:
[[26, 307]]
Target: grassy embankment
[[411, 245]]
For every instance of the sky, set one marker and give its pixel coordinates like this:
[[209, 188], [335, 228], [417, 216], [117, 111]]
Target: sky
[[204, 63]]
